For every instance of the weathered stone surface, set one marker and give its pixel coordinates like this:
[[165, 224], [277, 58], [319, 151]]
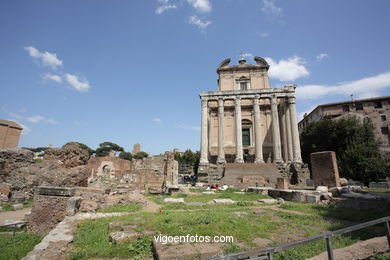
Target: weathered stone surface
[[239, 192], [267, 201], [73, 206], [336, 191], [70, 155], [17, 206], [322, 189], [173, 200], [223, 201], [281, 201], [11, 222], [343, 182], [54, 191], [13, 158], [208, 192], [324, 169], [281, 183], [47, 173], [128, 236], [313, 198], [47, 212]]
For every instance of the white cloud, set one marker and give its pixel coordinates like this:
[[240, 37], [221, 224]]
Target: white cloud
[[53, 77], [165, 7], [264, 35], [195, 20], [287, 70], [246, 55], [322, 56], [203, 6], [157, 120], [184, 126], [270, 8], [366, 87], [48, 59], [36, 119], [79, 84], [33, 119]]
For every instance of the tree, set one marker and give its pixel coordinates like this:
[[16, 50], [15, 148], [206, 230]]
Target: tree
[[126, 156], [357, 151], [190, 158], [86, 147], [107, 147], [140, 155]]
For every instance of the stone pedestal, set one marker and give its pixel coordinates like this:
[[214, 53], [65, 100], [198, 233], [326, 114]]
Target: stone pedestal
[[281, 183], [324, 169]]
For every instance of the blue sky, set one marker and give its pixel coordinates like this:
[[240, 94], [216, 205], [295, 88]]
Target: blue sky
[[130, 71]]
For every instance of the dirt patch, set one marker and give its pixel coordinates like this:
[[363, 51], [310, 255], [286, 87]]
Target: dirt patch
[[359, 250], [13, 215]]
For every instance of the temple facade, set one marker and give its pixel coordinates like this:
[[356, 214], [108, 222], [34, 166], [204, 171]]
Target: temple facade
[[246, 121]]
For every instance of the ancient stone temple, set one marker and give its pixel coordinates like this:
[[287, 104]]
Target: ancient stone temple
[[246, 121]]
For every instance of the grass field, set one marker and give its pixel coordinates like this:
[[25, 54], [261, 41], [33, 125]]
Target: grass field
[[244, 221], [16, 247], [7, 206]]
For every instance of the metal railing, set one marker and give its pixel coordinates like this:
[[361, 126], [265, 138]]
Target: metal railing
[[266, 253], [14, 225]]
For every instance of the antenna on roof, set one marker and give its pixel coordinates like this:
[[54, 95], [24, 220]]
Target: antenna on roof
[[352, 97]]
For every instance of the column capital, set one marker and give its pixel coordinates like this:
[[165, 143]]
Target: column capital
[[291, 100], [237, 101], [220, 102]]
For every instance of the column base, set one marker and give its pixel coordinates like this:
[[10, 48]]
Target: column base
[[239, 160], [258, 160], [278, 161], [203, 163], [221, 161]]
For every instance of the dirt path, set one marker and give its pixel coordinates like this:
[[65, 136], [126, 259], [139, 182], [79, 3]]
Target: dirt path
[[359, 250], [14, 215]]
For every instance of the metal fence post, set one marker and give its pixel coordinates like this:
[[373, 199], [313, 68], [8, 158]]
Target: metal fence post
[[13, 234], [387, 229], [329, 248], [269, 256]]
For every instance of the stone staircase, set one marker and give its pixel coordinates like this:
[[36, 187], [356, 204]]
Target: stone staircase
[[250, 174]]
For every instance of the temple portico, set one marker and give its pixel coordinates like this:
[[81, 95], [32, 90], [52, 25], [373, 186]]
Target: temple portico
[[254, 112]]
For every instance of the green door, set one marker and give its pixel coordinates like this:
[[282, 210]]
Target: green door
[[246, 138]]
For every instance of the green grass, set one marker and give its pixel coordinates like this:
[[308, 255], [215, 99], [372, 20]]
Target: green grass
[[16, 247], [385, 256], [7, 206], [204, 198], [131, 207], [348, 214], [377, 190]]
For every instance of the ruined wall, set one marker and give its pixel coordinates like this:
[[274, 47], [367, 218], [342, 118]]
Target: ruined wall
[[324, 169], [9, 134], [109, 167]]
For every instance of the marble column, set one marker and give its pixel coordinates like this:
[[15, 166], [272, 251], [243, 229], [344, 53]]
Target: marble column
[[221, 125], [204, 134], [237, 110], [275, 131], [288, 134], [258, 143], [284, 132], [294, 131]]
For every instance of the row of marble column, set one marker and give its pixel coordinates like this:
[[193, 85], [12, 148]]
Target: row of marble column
[[288, 126]]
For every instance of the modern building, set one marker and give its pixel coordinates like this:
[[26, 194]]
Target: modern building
[[376, 110], [246, 121], [9, 134]]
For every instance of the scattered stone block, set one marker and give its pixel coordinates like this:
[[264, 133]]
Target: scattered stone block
[[173, 200], [17, 206], [240, 214], [223, 201], [5, 190], [54, 191], [326, 196], [336, 191], [267, 201], [128, 236], [11, 221], [281, 183], [281, 201], [343, 182], [312, 198], [196, 204], [324, 168], [26, 216], [322, 189], [208, 192], [73, 206], [239, 192]]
